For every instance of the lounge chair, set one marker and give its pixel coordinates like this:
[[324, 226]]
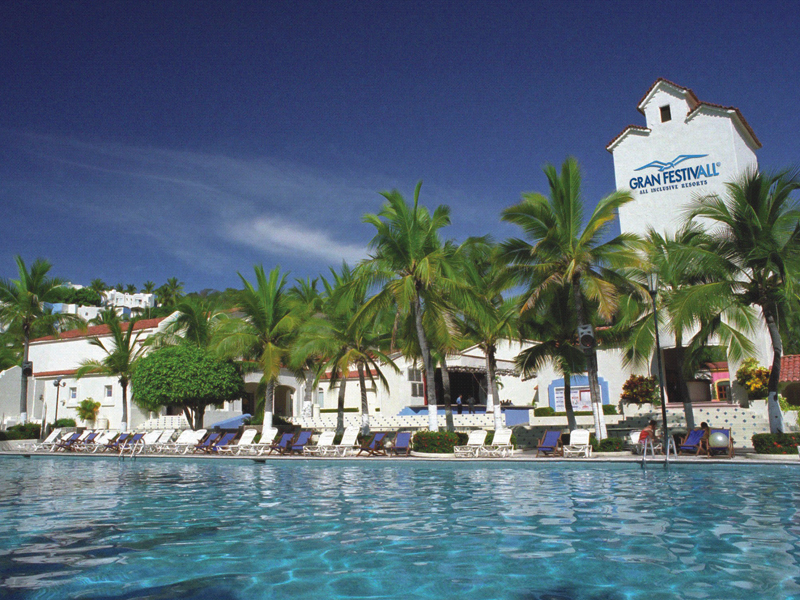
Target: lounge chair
[[474, 444], [66, 444], [165, 438], [131, 443], [99, 443], [224, 440], [298, 444], [550, 444], [692, 443], [185, 443], [281, 445], [263, 445], [375, 446], [349, 443], [578, 444], [246, 440], [206, 443], [47, 442], [500, 446], [721, 451], [85, 442], [149, 441], [401, 444], [324, 445]]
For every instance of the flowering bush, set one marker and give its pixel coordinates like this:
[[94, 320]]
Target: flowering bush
[[776, 443], [754, 378], [638, 390]]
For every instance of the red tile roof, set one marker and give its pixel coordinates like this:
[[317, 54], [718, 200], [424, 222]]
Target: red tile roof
[[790, 368], [97, 330], [695, 105]]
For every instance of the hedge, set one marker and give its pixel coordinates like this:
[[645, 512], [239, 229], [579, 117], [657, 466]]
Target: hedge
[[776, 443], [29, 431], [547, 411], [440, 442], [612, 444]]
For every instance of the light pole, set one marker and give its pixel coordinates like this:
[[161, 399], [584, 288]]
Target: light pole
[[652, 286], [59, 383]]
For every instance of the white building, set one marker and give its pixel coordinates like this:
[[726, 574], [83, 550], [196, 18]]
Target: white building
[[139, 301]]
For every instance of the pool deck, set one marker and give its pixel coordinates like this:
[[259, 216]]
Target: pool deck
[[748, 458]]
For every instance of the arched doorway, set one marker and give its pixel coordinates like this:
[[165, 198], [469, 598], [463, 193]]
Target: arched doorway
[[284, 401]]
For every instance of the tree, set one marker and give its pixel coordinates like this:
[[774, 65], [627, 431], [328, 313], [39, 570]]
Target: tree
[[756, 228], [170, 293], [120, 360], [148, 287], [98, 285], [130, 288], [264, 332], [186, 376], [562, 250], [22, 312], [306, 303], [195, 322], [413, 267]]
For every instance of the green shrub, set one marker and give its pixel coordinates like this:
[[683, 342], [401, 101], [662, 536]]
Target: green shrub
[[776, 443], [609, 409], [65, 423], [544, 411], [611, 444], [440, 442], [29, 431], [754, 378], [639, 390], [87, 409], [335, 410]]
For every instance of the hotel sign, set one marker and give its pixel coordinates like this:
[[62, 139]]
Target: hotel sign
[[669, 176]]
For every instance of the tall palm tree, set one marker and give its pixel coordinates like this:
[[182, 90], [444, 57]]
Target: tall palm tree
[[120, 360], [413, 268], [306, 303], [98, 285], [563, 250], [130, 288], [264, 332], [194, 322], [756, 227], [347, 341], [22, 311], [148, 287]]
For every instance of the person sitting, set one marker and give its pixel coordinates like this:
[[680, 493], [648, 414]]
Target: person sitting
[[649, 432], [706, 434]]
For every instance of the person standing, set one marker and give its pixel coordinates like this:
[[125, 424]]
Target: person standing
[[471, 403], [459, 403]]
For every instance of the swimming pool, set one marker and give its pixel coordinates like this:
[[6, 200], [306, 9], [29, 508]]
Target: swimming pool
[[373, 528]]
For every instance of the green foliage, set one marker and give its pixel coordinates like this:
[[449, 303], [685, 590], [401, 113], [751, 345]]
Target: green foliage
[[333, 410], [639, 390], [754, 378], [87, 409], [776, 443], [28, 431], [611, 444], [184, 376], [544, 411], [609, 409], [438, 442], [65, 423], [82, 297]]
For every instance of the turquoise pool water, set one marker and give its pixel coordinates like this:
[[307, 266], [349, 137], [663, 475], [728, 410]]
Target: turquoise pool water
[[373, 528]]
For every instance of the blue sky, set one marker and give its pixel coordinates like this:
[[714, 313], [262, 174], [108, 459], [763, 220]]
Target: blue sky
[[146, 140]]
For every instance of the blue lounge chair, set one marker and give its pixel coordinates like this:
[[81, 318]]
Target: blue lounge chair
[[550, 444], [692, 443], [375, 447], [208, 442], [724, 450], [66, 444], [297, 446], [223, 441], [130, 443], [114, 444], [402, 444], [282, 444]]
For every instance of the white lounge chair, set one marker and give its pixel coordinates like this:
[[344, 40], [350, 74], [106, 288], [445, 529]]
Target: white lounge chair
[[149, 442], [246, 440], [474, 443], [99, 443], [259, 447], [500, 446], [186, 441], [47, 442], [324, 445], [349, 443], [578, 444]]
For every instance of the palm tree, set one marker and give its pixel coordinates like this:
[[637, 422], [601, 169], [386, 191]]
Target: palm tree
[[347, 340], [552, 324], [22, 312], [99, 286], [130, 288], [306, 303], [148, 287], [194, 322], [562, 250], [756, 228], [264, 332], [120, 359], [413, 267]]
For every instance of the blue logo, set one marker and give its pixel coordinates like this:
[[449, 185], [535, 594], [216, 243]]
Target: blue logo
[[670, 178], [663, 166]]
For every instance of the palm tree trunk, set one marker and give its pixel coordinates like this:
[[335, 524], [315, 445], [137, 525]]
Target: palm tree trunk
[[494, 398], [364, 403], [448, 407], [308, 398], [430, 386], [683, 388], [199, 411], [775, 415], [591, 367], [123, 426], [340, 405], [572, 423], [23, 388], [189, 417], [269, 400]]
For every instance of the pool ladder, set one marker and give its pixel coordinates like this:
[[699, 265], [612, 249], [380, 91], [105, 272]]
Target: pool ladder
[[648, 445]]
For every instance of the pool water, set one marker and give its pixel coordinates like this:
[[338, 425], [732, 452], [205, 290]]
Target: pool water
[[416, 530]]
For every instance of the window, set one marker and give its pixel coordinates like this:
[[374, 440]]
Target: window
[[666, 115], [415, 377], [723, 390], [108, 391], [73, 393]]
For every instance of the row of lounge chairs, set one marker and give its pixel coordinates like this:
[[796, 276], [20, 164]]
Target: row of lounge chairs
[[692, 444]]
